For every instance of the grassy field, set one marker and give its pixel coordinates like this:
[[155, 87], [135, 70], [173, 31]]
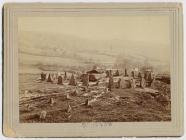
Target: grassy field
[[119, 105]]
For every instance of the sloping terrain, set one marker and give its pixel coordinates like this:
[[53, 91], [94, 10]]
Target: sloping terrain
[[119, 105]]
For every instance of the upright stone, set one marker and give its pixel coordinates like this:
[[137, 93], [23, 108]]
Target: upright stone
[[132, 74], [117, 73], [60, 80], [72, 81], [133, 83], [65, 76], [43, 76], [110, 84], [49, 78], [125, 73], [85, 80]]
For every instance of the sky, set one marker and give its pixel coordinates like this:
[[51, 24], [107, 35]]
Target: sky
[[136, 28], [150, 33]]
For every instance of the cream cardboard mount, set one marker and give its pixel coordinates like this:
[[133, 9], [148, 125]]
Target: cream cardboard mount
[[92, 70]]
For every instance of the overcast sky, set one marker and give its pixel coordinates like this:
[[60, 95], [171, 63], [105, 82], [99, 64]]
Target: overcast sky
[[150, 31]]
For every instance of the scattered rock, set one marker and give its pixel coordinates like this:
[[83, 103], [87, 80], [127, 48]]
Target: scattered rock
[[117, 97], [163, 99], [51, 101], [43, 115], [87, 102], [27, 92], [68, 96], [28, 107], [75, 92], [69, 117], [39, 91], [83, 88], [69, 109]]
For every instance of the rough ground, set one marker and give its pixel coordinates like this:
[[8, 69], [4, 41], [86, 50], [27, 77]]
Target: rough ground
[[120, 105]]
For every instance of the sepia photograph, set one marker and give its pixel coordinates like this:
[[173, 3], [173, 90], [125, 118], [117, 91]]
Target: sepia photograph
[[94, 69], [97, 69]]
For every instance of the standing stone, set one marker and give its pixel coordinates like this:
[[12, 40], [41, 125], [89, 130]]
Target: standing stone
[[145, 76], [125, 73], [133, 83], [72, 81], [28, 107], [143, 82], [43, 76], [107, 73], [140, 79], [119, 81], [110, 84], [51, 101], [117, 73], [60, 80], [139, 75], [49, 78], [150, 79], [85, 80], [65, 76]]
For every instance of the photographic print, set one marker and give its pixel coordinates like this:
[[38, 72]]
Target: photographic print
[[109, 68], [93, 69]]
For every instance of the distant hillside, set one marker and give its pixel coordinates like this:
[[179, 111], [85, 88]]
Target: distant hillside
[[43, 51]]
